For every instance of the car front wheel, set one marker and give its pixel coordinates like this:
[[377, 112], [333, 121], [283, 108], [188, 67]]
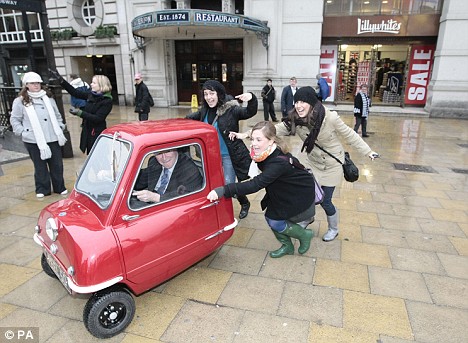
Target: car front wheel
[[107, 314]]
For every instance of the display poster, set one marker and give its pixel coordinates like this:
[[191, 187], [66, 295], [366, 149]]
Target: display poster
[[328, 63], [419, 70], [363, 74]]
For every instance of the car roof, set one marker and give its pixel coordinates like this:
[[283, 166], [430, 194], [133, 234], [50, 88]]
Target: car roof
[[150, 132]]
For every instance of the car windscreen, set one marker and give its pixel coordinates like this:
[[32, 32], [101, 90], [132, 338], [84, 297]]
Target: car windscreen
[[103, 169]]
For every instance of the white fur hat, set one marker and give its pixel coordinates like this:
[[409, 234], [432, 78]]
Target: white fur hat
[[31, 77]]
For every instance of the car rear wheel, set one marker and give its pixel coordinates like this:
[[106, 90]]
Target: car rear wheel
[[108, 313], [46, 268]]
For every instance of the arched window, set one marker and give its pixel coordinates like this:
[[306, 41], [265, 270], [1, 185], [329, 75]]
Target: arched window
[[88, 11]]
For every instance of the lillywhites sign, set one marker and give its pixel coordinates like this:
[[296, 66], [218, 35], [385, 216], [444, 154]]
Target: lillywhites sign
[[389, 26]]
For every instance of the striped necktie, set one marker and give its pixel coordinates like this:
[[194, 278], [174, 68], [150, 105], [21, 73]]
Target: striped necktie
[[164, 181]]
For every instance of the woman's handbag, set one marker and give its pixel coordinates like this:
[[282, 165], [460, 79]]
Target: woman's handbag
[[350, 171], [318, 188]]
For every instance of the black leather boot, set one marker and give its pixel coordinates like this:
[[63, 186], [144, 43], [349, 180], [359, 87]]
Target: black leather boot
[[245, 206]]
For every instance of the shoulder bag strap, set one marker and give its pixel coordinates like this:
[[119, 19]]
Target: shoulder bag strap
[[292, 162], [328, 153]]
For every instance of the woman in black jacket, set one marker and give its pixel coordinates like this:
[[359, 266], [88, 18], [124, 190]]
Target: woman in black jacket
[[98, 106], [224, 114], [290, 193]]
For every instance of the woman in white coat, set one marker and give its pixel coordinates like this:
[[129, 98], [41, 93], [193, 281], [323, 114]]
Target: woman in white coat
[[36, 118]]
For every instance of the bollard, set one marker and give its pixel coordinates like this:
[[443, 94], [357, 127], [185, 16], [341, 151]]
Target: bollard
[[194, 101]]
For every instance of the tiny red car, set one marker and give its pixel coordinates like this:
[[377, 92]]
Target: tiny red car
[[103, 240]]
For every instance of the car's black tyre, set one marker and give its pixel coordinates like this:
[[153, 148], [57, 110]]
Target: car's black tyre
[[107, 314], [46, 268]]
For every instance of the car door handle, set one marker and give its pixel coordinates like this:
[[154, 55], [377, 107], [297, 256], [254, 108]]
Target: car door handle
[[210, 204], [130, 218]]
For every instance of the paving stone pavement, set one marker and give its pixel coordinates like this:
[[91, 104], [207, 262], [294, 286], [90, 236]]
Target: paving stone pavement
[[397, 273]]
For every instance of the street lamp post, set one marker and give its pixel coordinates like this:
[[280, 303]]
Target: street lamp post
[[38, 6], [67, 149]]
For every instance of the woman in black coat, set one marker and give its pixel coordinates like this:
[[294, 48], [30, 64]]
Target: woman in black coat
[[290, 192], [224, 113], [98, 106]]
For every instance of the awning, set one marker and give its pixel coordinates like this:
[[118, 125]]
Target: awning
[[198, 24]]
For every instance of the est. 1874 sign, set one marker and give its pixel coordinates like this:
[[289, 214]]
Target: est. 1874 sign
[[419, 72]]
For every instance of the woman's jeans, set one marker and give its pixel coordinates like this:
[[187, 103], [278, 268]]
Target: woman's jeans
[[327, 204], [230, 177], [229, 172]]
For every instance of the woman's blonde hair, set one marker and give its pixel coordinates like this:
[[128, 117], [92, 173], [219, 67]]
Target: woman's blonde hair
[[269, 131], [103, 82]]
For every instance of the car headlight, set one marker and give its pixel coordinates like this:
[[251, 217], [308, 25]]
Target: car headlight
[[51, 229]]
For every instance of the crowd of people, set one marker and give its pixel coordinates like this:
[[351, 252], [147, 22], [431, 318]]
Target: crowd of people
[[264, 164]]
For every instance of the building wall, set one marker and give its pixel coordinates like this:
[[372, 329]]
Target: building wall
[[448, 88], [293, 50]]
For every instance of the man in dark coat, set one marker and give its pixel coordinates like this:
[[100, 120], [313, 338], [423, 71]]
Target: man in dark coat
[[142, 98], [168, 175], [268, 96], [287, 97]]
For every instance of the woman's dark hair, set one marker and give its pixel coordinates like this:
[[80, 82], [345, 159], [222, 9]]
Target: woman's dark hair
[[27, 99], [216, 86], [313, 120]]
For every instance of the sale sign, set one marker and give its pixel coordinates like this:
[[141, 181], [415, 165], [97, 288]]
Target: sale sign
[[328, 62], [419, 72]]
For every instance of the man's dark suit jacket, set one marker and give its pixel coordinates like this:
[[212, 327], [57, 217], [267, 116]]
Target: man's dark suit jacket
[[287, 100], [185, 177]]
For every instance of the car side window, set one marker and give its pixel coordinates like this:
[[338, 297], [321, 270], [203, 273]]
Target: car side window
[[168, 174]]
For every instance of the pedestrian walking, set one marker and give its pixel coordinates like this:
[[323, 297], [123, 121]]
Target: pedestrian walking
[[323, 90], [287, 97], [142, 98], [361, 110], [268, 97]]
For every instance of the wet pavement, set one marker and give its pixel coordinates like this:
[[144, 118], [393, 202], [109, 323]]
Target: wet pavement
[[398, 271]]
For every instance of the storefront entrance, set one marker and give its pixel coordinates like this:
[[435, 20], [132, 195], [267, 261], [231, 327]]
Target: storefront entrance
[[381, 67], [201, 60]]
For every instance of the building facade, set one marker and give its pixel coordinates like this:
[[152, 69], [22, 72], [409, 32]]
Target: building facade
[[409, 52]]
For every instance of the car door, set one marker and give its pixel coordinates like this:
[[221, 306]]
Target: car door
[[161, 239]]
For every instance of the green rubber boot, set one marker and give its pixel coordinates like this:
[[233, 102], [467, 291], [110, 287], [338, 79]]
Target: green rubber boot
[[303, 235], [287, 247]]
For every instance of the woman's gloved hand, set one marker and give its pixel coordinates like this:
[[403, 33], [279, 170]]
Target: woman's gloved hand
[[373, 155], [56, 75], [76, 111]]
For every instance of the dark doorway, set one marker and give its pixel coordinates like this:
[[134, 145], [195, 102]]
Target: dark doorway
[[105, 65], [201, 60]]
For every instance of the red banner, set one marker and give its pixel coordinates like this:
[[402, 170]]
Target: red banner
[[419, 72], [328, 61]]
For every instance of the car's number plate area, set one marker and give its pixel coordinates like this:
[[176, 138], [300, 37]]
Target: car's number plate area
[[58, 271]]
